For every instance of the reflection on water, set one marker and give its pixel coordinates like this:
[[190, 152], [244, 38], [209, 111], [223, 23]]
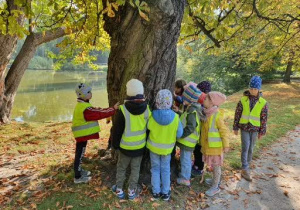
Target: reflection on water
[[50, 96]]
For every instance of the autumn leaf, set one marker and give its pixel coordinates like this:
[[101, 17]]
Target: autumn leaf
[[143, 15], [155, 205], [117, 205], [286, 193]]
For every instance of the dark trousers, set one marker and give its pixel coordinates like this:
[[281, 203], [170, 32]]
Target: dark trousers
[[79, 153], [198, 157]]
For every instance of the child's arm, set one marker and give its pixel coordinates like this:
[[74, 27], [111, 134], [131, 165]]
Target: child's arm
[[237, 116], [93, 114], [179, 130], [263, 121], [191, 125], [223, 131]]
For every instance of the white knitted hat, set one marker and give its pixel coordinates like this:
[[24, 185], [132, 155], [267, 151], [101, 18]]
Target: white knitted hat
[[82, 90], [134, 87]]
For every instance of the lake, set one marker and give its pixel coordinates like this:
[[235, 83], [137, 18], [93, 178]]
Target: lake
[[50, 95]]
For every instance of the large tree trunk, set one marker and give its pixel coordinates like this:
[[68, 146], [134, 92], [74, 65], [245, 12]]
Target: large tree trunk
[[8, 43], [143, 50], [288, 72], [19, 66]]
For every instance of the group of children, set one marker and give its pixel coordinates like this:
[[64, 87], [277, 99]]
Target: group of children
[[192, 121]]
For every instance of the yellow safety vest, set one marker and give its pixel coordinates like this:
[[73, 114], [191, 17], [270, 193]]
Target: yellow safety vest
[[134, 135], [254, 116], [193, 138], [162, 138], [214, 137], [81, 127]]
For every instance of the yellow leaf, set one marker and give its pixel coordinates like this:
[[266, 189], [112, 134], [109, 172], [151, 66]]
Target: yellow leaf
[[115, 6], [144, 16]]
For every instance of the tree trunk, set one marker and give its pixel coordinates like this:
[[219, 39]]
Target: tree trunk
[[8, 43], [19, 66], [143, 50], [288, 71]]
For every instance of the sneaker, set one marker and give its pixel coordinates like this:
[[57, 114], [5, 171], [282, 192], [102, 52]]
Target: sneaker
[[85, 173], [155, 196], [212, 191], [182, 181], [246, 175], [196, 172], [119, 192], [82, 179], [132, 194], [209, 181], [166, 197]]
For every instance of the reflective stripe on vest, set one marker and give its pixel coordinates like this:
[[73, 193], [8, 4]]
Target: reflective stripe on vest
[[134, 136], [252, 117], [214, 137], [162, 138], [81, 127], [193, 138]]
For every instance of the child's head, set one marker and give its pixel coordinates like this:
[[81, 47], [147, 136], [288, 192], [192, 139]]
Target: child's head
[[204, 86], [163, 99], [214, 98], [83, 91], [179, 86], [255, 85], [191, 94], [134, 87]]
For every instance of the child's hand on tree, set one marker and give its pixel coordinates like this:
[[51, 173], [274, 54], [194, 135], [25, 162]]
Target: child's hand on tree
[[116, 106]]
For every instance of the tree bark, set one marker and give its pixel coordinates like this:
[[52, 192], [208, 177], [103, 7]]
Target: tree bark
[[288, 71], [19, 66], [8, 43], [143, 50]]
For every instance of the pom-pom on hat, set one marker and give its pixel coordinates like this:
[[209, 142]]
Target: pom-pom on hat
[[163, 99], [134, 87], [82, 90], [217, 98], [255, 82], [204, 86], [191, 93]]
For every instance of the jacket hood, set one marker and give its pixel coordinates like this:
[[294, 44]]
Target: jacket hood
[[163, 116], [198, 108], [136, 107], [247, 93]]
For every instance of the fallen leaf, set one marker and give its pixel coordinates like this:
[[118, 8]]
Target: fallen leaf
[[286, 193], [155, 205], [57, 203], [201, 195], [117, 205], [246, 202], [69, 207]]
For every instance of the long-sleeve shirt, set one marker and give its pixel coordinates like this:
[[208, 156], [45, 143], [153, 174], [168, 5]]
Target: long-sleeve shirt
[[249, 127], [94, 114]]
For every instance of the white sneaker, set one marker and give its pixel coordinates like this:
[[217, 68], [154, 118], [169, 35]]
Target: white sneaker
[[82, 179]]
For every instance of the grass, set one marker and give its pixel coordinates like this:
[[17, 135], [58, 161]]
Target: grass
[[49, 151]]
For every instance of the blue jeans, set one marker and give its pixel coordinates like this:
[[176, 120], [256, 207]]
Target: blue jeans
[[248, 143], [160, 173], [186, 164]]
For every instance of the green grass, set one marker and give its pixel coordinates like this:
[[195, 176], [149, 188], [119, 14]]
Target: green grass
[[53, 146]]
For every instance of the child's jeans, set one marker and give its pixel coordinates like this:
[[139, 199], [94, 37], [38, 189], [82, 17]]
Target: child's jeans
[[248, 143], [160, 173], [79, 153], [135, 164], [186, 164]]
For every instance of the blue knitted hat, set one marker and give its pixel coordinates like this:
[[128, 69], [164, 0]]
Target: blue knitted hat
[[255, 82]]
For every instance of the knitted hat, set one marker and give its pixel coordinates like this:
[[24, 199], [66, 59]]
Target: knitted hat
[[163, 99], [204, 86], [82, 90], [217, 98], [191, 94], [255, 82], [134, 87]]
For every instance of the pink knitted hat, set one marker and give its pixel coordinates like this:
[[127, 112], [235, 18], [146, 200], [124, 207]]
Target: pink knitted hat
[[217, 98]]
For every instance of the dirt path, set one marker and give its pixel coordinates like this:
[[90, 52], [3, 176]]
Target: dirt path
[[276, 180]]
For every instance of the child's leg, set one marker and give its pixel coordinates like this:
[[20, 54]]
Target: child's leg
[[165, 173], [245, 149], [79, 153], [155, 172], [216, 176], [186, 164], [253, 136], [198, 157], [123, 162], [135, 172]]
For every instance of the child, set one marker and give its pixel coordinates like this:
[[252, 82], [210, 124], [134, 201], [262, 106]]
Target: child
[[214, 140], [179, 88], [197, 168], [191, 122], [129, 136], [164, 126], [251, 117], [85, 127]]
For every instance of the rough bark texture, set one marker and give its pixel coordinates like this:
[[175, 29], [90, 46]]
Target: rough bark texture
[[8, 44], [143, 50], [19, 66]]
